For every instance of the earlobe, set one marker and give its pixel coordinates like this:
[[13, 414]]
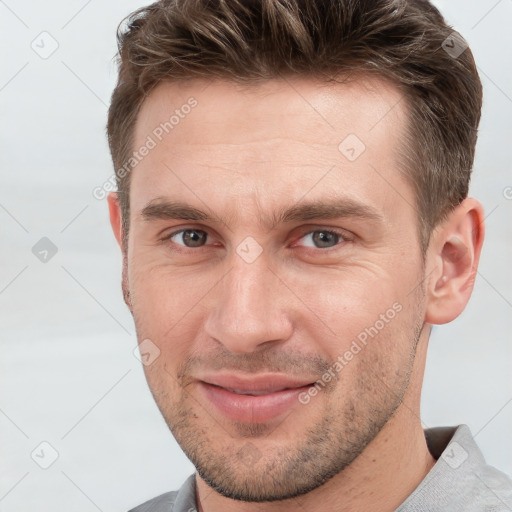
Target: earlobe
[[454, 252], [115, 217]]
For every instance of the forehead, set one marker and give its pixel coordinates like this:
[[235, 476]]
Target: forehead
[[357, 104], [261, 140]]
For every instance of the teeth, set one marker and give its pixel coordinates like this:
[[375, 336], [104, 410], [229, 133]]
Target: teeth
[[253, 393]]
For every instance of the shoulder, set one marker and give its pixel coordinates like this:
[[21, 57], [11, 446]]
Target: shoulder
[[460, 480], [162, 503], [495, 489], [182, 500], [483, 486]]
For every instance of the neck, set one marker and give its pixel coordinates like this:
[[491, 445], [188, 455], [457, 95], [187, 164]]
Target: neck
[[380, 478]]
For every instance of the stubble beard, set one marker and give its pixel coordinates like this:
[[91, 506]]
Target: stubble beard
[[236, 468]]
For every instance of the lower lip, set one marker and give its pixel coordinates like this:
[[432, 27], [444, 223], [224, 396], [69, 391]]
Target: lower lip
[[250, 408]]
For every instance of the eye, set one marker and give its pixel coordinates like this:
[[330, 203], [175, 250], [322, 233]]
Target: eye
[[188, 237], [318, 239], [323, 239]]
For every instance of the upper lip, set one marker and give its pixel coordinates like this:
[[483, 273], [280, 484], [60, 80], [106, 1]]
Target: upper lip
[[268, 383]]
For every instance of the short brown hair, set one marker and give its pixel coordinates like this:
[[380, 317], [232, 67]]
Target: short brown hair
[[405, 41]]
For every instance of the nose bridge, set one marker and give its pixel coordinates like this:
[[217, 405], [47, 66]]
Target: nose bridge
[[247, 312]]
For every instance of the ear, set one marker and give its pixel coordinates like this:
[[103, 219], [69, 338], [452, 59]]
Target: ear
[[114, 210], [454, 254]]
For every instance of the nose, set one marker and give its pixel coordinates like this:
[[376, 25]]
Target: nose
[[249, 308]]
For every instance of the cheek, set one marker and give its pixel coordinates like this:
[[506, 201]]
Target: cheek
[[166, 305], [343, 305], [369, 323], [379, 356], [332, 307]]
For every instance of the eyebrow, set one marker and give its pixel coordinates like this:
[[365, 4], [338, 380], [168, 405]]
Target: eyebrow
[[161, 209]]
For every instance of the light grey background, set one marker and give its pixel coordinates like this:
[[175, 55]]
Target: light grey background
[[69, 376]]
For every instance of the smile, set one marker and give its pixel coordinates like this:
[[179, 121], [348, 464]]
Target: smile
[[257, 400]]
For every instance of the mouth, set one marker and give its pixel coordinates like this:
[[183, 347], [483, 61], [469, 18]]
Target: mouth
[[257, 400], [253, 393]]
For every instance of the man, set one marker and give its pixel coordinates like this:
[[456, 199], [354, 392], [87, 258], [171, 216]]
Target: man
[[293, 214]]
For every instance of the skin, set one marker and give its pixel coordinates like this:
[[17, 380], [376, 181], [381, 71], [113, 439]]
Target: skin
[[242, 154]]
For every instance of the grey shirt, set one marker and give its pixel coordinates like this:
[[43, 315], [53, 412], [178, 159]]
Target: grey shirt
[[460, 481]]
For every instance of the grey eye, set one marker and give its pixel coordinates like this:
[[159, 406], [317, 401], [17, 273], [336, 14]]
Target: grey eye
[[322, 239], [189, 237]]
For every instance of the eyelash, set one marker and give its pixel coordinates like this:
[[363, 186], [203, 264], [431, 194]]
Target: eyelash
[[343, 236]]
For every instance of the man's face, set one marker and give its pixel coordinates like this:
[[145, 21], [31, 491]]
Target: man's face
[[307, 252]]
